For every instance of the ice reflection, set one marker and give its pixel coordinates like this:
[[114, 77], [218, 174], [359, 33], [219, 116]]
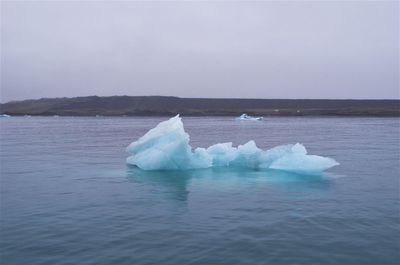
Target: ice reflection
[[178, 184]]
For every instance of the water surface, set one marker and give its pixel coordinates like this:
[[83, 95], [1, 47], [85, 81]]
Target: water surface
[[67, 196]]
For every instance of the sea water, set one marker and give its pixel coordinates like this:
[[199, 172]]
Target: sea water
[[68, 196]]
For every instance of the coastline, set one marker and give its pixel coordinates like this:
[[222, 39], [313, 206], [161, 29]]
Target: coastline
[[134, 106]]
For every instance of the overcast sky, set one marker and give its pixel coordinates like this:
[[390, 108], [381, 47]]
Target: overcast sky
[[271, 49]]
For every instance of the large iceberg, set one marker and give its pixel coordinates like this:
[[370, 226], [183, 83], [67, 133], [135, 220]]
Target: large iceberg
[[166, 147]]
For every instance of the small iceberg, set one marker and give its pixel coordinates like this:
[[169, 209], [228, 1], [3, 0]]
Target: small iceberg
[[245, 117], [4, 116], [166, 147]]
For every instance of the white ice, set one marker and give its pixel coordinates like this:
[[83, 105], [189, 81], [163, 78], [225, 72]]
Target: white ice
[[245, 117], [166, 147]]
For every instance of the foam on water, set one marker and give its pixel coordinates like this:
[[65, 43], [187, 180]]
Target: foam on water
[[166, 147]]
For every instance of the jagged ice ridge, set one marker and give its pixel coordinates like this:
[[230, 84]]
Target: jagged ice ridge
[[166, 147]]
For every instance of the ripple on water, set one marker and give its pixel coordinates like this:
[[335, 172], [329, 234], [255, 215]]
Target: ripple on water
[[67, 196]]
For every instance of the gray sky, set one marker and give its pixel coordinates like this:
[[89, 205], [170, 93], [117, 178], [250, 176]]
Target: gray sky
[[306, 49]]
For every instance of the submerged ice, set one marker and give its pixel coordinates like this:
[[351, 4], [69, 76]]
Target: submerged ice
[[166, 147]]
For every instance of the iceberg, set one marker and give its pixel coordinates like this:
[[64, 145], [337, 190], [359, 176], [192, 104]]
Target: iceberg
[[166, 147], [245, 117]]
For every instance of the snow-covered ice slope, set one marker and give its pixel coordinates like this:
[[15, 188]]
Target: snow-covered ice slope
[[166, 147]]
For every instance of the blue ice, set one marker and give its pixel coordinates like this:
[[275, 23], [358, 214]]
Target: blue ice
[[166, 147]]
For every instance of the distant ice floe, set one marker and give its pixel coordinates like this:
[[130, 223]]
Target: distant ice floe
[[245, 117], [166, 147]]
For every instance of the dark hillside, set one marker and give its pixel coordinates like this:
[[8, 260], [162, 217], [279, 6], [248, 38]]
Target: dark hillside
[[158, 105]]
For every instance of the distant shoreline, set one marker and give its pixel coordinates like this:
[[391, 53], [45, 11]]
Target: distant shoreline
[[144, 106]]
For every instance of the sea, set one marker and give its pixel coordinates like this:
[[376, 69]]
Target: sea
[[67, 195]]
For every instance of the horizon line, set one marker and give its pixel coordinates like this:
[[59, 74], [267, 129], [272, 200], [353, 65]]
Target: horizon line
[[71, 97]]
